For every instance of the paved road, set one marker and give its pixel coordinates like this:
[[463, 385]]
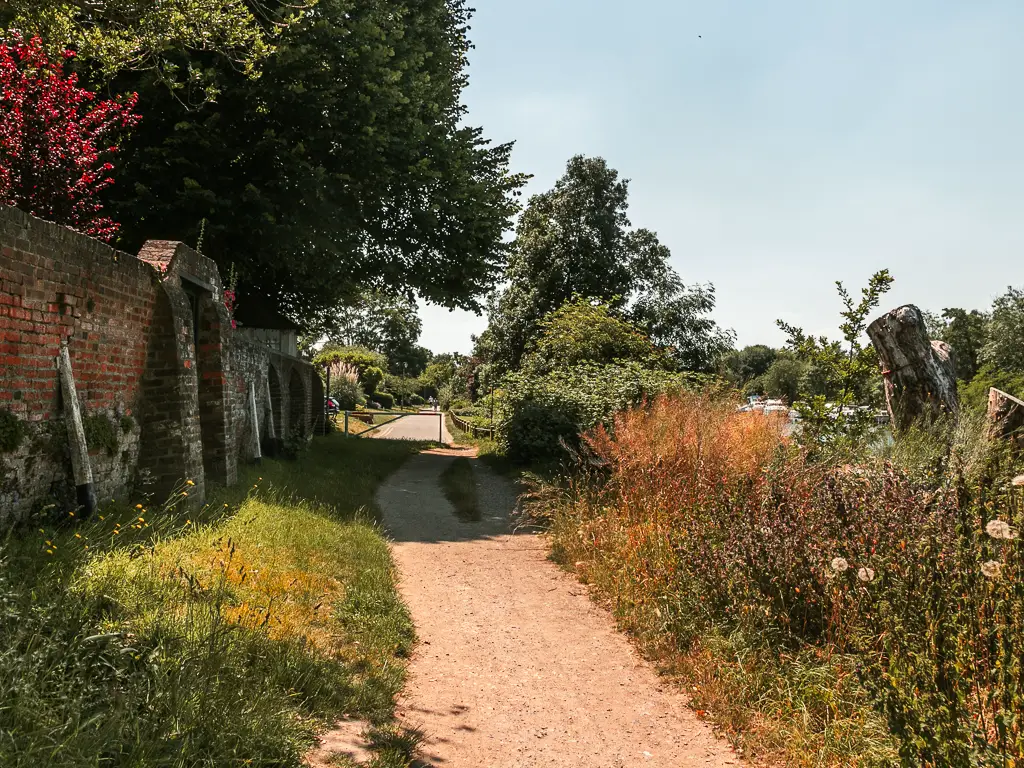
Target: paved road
[[417, 426]]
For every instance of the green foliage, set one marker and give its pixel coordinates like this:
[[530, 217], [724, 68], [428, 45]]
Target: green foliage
[[176, 646], [440, 372], [385, 323], [575, 240], [1004, 347], [402, 387], [741, 366], [348, 163], [540, 415], [127, 424], [120, 34], [100, 432], [12, 431], [974, 394], [966, 333], [369, 364], [445, 396], [582, 331], [385, 399], [784, 379], [348, 392], [371, 380], [678, 318], [841, 414]]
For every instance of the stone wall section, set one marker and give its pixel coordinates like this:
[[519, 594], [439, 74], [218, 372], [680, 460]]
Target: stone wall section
[[162, 378]]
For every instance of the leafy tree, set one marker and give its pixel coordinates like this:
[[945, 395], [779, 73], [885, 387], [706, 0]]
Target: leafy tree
[[965, 332], [783, 379], [744, 365], [385, 323], [678, 318], [369, 364], [347, 165], [439, 373], [56, 139], [582, 331], [119, 34], [402, 387], [1004, 348], [974, 393], [575, 240], [848, 370]]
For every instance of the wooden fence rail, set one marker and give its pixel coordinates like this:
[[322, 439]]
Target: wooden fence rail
[[472, 429]]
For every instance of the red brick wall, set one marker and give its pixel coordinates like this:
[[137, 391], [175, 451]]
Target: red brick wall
[[175, 395], [56, 284]]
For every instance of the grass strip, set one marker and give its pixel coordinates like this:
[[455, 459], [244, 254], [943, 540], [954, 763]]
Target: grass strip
[[158, 636]]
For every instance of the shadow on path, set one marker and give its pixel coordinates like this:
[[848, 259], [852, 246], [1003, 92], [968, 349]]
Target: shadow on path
[[416, 509]]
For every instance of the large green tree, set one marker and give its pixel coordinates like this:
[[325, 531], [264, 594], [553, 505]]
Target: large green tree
[[740, 366], [575, 240], [345, 166], [128, 34], [386, 323], [966, 333], [583, 331], [1004, 346]]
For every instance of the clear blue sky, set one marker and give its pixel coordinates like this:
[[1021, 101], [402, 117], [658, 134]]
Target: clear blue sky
[[790, 145]]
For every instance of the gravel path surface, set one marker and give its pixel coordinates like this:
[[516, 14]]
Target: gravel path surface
[[515, 665]]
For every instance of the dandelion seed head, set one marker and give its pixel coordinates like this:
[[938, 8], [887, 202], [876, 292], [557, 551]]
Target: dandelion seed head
[[1018, 480], [866, 574], [839, 564], [992, 569], [998, 529]]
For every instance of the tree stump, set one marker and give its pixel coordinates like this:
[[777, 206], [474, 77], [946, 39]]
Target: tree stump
[[919, 374], [1006, 418]]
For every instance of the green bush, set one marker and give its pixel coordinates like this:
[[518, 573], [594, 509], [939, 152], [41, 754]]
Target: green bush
[[12, 431], [348, 393], [974, 393], [370, 379], [445, 396], [386, 400], [540, 415], [415, 399]]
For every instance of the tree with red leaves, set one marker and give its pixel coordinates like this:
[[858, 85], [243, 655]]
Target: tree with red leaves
[[56, 139]]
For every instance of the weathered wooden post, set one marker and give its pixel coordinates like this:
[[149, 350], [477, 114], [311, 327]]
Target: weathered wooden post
[[1006, 418], [257, 455], [919, 374], [80, 466]]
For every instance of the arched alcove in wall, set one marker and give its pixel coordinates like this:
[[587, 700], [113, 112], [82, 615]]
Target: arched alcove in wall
[[297, 403]]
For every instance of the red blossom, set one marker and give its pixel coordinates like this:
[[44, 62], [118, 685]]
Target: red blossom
[[56, 138]]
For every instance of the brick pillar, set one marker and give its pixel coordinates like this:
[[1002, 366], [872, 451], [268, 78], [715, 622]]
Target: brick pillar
[[213, 396]]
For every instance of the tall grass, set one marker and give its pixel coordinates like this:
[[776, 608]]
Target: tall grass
[[156, 636], [822, 612]]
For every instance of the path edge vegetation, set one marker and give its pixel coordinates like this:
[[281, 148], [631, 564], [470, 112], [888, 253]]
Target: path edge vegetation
[[154, 634]]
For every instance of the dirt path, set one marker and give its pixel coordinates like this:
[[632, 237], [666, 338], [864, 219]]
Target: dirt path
[[516, 666]]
